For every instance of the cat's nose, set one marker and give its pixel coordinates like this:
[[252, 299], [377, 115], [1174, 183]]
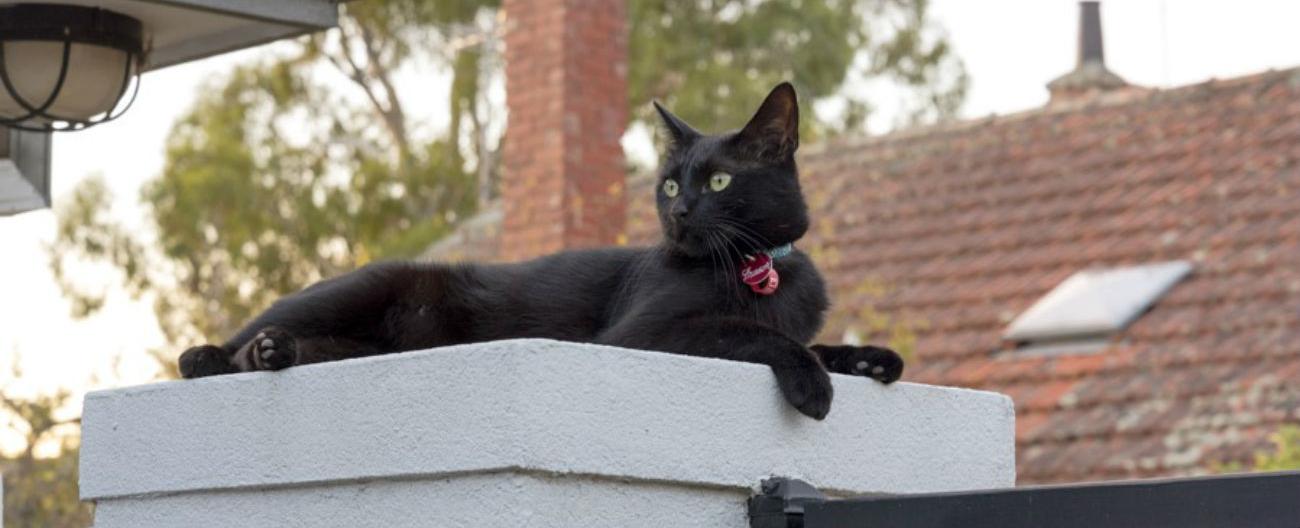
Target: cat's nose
[[680, 212]]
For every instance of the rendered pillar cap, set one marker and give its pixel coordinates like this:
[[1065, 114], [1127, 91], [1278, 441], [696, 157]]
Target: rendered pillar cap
[[537, 407]]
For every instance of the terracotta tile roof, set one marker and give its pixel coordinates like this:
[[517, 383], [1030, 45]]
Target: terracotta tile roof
[[963, 226], [969, 224]]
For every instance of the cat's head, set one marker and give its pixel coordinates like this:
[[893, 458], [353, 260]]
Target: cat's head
[[737, 192]]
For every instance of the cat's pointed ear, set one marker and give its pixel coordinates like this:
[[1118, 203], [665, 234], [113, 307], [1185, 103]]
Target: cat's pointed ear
[[773, 133], [681, 133]]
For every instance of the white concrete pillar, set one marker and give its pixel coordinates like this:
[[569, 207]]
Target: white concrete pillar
[[517, 433]]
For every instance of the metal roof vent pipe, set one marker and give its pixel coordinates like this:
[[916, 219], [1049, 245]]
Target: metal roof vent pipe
[[1090, 76]]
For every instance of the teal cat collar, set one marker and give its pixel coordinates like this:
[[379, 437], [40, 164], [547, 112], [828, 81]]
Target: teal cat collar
[[780, 251]]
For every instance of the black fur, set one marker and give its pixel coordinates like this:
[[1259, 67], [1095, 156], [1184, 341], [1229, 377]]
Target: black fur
[[683, 296]]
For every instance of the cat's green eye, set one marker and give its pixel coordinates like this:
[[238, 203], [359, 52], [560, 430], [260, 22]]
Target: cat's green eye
[[670, 188], [719, 181]]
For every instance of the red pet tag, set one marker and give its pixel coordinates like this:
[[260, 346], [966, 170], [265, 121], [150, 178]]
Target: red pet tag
[[759, 273]]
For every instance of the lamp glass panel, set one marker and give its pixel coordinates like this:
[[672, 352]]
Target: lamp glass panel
[[93, 84]]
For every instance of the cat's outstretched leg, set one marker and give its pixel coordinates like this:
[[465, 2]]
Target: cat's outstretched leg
[[878, 363], [270, 349], [275, 348], [369, 311]]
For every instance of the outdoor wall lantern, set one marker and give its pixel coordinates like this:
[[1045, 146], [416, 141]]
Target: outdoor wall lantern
[[67, 67], [73, 64]]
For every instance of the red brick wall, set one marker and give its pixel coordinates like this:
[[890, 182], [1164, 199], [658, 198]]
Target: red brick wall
[[566, 90]]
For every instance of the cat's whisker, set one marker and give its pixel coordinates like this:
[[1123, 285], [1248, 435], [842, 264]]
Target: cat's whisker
[[732, 232], [736, 272], [738, 235], [732, 272], [708, 240], [750, 235], [748, 240], [711, 238]]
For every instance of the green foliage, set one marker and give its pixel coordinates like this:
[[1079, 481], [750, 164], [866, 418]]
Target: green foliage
[[41, 491], [40, 480], [274, 180], [109, 242], [246, 216], [1284, 456], [1286, 451], [709, 60]]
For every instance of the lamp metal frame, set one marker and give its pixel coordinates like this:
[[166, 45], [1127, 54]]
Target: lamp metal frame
[[69, 24]]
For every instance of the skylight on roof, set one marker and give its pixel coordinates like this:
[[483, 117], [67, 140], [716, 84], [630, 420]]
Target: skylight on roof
[[1096, 303]]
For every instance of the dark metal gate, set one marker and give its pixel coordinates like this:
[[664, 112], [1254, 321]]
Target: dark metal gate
[[1259, 500]]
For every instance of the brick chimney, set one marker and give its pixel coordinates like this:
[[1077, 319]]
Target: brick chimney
[[1090, 76], [562, 183]]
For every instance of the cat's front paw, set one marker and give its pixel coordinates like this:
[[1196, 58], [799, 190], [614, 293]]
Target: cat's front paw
[[203, 361], [807, 388], [878, 363], [273, 349]]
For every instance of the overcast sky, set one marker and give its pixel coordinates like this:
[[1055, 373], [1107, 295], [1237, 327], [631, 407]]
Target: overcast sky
[[1011, 49]]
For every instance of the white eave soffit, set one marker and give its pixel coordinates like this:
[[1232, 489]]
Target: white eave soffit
[[186, 30], [1097, 302]]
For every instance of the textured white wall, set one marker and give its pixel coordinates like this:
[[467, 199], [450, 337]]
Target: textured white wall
[[524, 431], [472, 500]]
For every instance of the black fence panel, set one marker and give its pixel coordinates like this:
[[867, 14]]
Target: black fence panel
[[1260, 500]]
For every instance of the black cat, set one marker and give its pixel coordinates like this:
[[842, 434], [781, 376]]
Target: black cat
[[725, 282]]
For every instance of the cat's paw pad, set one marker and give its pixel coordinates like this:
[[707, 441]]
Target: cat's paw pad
[[273, 349], [881, 364], [808, 389], [878, 363], [201, 361]]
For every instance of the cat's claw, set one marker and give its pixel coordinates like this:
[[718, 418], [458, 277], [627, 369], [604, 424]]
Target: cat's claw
[[273, 349]]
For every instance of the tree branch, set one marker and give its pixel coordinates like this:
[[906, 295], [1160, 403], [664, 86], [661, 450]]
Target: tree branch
[[392, 113], [395, 115]]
